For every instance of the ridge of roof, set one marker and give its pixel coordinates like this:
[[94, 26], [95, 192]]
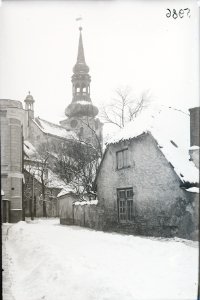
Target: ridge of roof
[[170, 128], [53, 129]]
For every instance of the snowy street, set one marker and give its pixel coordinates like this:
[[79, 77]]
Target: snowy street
[[54, 262]]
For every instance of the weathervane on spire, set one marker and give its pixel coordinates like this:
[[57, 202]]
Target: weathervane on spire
[[79, 19]]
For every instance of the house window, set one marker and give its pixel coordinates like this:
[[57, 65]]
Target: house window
[[122, 159], [126, 209]]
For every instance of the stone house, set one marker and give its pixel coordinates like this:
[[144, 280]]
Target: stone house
[[146, 183]]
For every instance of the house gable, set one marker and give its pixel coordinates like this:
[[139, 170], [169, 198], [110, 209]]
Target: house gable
[[155, 184]]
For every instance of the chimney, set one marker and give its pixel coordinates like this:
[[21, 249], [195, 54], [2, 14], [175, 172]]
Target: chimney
[[194, 135], [194, 126]]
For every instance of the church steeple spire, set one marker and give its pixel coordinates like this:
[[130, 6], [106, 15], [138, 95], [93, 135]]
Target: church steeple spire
[[80, 66], [81, 112], [80, 56], [81, 104]]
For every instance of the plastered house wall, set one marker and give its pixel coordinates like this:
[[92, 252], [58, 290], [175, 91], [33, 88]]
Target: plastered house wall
[[155, 184]]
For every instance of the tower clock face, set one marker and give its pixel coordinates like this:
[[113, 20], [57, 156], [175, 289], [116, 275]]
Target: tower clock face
[[73, 123]]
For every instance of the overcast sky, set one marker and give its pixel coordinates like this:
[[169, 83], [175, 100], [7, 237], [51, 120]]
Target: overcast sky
[[126, 43]]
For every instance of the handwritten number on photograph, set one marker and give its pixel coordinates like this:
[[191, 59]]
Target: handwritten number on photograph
[[173, 13]]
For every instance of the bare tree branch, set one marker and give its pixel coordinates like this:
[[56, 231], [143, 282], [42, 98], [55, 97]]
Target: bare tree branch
[[124, 108]]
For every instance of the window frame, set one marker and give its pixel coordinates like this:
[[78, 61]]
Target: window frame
[[126, 206], [125, 158]]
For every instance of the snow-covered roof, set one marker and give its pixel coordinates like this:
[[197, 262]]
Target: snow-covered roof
[[51, 179], [29, 149], [54, 129], [170, 127], [193, 190], [66, 190]]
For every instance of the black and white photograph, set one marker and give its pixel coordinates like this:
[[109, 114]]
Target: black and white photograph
[[99, 110]]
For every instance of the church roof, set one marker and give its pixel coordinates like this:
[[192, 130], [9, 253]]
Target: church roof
[[54, 129], [170, 128], [29, 149], [33, 165]]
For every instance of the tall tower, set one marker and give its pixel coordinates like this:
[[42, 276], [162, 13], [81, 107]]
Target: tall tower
[[29, 105], [81, 113]]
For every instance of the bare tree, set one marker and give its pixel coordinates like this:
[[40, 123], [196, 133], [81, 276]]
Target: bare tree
[[38, 167], [76, 164], [95, 140], [124, 108], [29, 188], [43, 161]]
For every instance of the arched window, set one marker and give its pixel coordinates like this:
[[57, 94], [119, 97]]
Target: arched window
[[78, 89]]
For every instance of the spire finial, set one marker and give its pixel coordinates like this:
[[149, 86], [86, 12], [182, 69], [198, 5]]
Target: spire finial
[[29, 92], [79, 19], [80, 65], [80, 57]]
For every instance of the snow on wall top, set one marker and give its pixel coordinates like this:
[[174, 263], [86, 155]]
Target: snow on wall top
[[88, 202], [54, 129], [170, 127]]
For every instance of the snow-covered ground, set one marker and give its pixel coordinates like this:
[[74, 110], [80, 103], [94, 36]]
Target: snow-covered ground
[[55, 262]]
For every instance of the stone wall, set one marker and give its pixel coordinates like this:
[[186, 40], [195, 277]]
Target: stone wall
[[91, 215], [66, 208], [35, 135], [156, 189], [12, 123], [194, 156]]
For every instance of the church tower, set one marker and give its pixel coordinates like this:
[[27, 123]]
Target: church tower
[[29, 105], [81, 113]]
